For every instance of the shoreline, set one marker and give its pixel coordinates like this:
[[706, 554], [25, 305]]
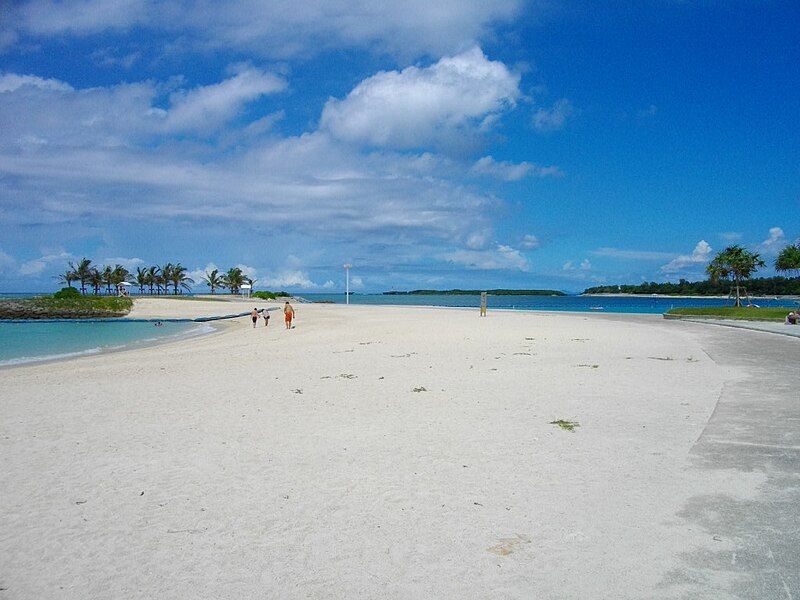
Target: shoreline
[[35, 361]]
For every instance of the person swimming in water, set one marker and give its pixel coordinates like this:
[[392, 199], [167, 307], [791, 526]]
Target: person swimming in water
[[254, 316], [288, 314]]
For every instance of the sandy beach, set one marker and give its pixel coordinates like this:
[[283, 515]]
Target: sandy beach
[[380, 452]]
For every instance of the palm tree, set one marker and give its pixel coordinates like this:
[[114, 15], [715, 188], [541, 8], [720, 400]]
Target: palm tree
[[735, 263], [152, 278], [95, 280], [178, 277], [233, 279], [141, 278], [108, 277], [83, 272], [164, 277], [213, 280], [67, 277], [789, 259]]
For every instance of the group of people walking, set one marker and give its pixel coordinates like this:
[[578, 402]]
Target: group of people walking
[[288, 316]]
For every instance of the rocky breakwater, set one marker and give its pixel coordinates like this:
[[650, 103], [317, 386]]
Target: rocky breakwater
[[49, 308]]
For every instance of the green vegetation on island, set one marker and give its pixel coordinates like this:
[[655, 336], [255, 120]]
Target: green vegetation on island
[[267, 295], [765, 286], [742, 313], [457, 292], [729, 274], [66, 304]]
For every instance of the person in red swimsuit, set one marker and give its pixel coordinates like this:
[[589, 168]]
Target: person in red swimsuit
[[288, 315]]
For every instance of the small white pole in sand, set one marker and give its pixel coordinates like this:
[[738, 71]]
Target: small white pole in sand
[[347, 278]]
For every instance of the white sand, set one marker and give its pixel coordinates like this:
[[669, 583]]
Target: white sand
[[279, 464]]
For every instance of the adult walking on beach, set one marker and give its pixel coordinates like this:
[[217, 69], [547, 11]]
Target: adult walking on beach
[[265, 314], [254, 316], [288, 314]]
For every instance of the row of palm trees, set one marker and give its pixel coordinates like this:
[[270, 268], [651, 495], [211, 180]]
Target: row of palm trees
[[153, 280], [738, 264]]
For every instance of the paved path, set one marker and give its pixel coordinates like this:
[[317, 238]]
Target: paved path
[[770, 327], [755, 429]]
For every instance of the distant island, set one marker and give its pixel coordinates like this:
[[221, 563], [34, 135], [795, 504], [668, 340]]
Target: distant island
[[476, 293], [763, 286]]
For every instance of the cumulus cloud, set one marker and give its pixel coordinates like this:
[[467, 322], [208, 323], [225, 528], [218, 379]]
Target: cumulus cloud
[[7, 262], [500, 258], [584, 265], [553, 118], [38, 265], [775, 241], [508, 171], [209, 106], [128, 263], [289, 280], [38, 112], [699, 256], [530, 242], [418, 107], [277, 29]]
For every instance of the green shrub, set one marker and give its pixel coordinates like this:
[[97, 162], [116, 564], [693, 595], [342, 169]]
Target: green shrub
[[267, 295], [67, 293]]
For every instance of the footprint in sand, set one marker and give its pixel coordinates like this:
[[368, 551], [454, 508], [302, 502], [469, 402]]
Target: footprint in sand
[[508, 545]]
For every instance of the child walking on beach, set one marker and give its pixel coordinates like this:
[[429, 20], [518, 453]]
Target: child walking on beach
[[254, 316], [288, 314]]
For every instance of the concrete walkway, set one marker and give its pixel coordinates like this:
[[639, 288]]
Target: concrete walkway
[[754, 430], [766, 326]]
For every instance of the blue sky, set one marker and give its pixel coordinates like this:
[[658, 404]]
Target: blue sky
[[463, 143]]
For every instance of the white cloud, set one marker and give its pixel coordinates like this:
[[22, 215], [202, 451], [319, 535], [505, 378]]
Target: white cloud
[[11, 82], [477, 240], [51, 112], [775, 241], [37, 266], [699, 256], [632, 254], [289, 279], [7, 262], [509, 171], [417, 107], [530, 242], [553, 118], [328, 284], [209, 106], [731, 236], [567, 266], [356, 282], [585, 264], [278, 29], [500, 258], [198, 274], [248, 271], [128, 263]]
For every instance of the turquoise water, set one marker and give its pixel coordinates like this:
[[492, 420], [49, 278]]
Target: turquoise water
[[32, 341], [641, 305]]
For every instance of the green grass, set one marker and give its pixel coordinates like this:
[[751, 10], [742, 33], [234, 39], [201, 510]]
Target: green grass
[[743, 313], [565, 425], [113, 304]]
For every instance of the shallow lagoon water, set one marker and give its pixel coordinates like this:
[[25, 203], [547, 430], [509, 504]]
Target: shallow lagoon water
[[23, 342]]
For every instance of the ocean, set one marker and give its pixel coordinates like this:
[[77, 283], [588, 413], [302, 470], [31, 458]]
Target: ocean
[[25, 342], [607, 304]]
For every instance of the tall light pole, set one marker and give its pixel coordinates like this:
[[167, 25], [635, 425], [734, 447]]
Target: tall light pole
[[347, 278]]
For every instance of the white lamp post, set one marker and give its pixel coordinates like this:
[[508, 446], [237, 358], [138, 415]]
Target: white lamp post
[[347, 279]]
